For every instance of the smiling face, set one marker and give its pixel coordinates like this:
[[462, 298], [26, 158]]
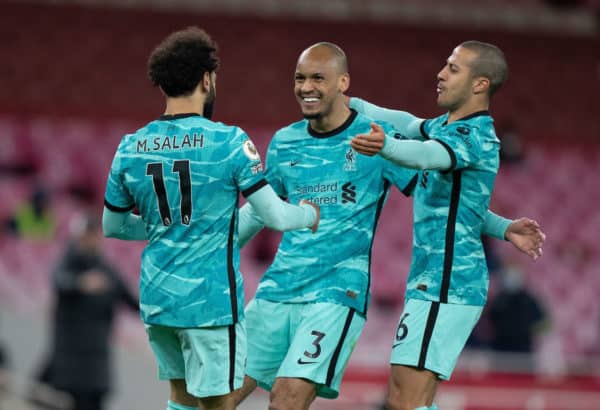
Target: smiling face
[[456, 83], [320, 81]]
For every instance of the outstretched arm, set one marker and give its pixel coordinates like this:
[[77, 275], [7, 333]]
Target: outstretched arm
[[123, 225], [280, 215], [406, 123], [407, 153]]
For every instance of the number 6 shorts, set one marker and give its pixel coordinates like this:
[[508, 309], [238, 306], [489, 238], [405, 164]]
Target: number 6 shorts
[[431, 335], [311, 341]]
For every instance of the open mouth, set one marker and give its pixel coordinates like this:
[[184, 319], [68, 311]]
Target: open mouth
[[310, 100]]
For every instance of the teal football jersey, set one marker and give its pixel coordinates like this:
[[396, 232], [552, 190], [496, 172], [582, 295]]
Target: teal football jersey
[[332, 265], [184, 173], [448, 263]]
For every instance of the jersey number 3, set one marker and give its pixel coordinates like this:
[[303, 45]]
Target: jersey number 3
[[182, 167]]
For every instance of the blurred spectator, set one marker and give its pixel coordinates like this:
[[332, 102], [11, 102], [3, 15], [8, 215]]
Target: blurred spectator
[[511, 147], [34, 219], [87, 290], [516, 315]]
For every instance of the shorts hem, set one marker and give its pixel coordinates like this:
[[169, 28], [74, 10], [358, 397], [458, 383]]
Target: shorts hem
[[441, 374]]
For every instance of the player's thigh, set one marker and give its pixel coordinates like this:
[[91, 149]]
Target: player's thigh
[[214, 359], [431, 335], [166, 346], [324, 336], [268, 329]]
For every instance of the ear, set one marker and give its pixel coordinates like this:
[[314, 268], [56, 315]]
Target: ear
[[206, 82], [481, 85], [344, 83]]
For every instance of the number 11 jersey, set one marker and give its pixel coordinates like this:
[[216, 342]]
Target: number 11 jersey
[[184, 173]]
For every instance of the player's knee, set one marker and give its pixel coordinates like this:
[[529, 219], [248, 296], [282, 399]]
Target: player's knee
[[397, 401], [225, 402], [180, 395], [292, 394], [247, 388], [279, 399]]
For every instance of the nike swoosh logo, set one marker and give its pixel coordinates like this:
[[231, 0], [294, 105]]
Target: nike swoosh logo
[[300, 361], [396, 345]]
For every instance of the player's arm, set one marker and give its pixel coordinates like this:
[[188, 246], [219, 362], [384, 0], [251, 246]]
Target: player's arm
[[429, 154], [123, 225], [524, 233], [249, 226], [406, 123], [267, 209]]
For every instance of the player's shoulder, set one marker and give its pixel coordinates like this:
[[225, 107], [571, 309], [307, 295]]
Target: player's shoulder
[[298, 129], [478, 125], [431, 125], [221, 128]]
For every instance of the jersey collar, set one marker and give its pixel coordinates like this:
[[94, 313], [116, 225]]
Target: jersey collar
[[169, 117], [335, 131]]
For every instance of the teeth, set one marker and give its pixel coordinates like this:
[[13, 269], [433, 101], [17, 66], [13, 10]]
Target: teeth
[[310, 99]]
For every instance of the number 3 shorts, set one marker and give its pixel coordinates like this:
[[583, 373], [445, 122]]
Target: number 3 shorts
[[311, 341]]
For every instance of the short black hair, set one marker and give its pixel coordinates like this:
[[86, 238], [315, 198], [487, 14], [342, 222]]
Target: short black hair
[[489, 63], [179, 62]]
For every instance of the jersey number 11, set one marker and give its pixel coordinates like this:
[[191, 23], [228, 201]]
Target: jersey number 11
[[182, 167]]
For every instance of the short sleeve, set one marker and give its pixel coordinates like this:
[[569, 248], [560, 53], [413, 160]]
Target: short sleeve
[[462, 143], [117, 197], [272, 172], [248, 169]]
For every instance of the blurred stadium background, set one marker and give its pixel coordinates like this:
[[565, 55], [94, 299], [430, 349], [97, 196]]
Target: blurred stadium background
[[73, 81]]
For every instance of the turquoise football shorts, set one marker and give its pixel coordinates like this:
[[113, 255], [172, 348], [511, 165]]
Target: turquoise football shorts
[[210, 359], [431, 335], [311, 341]]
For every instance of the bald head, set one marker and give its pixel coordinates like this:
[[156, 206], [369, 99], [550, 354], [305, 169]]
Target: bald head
[[327, 52]]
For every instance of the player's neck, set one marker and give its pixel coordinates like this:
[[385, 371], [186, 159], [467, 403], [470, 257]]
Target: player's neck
[[183, 105], [335, 119], [467, 109]]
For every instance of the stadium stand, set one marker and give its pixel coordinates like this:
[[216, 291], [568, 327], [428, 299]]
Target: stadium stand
[[73, 82]]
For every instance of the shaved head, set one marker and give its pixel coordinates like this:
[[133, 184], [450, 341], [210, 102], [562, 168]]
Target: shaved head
[[320, 81], [489, 62], [328, 52]]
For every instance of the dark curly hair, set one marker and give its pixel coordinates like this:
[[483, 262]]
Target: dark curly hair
[[179, 62]]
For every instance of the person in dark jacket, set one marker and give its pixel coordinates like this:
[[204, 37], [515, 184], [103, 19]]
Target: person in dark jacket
[[87, 292]]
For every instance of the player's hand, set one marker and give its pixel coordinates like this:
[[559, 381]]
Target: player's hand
[[371, 143], [314, 227], [527, 236]]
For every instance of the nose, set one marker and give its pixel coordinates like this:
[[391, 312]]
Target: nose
[[306, 86], [441, 76]]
